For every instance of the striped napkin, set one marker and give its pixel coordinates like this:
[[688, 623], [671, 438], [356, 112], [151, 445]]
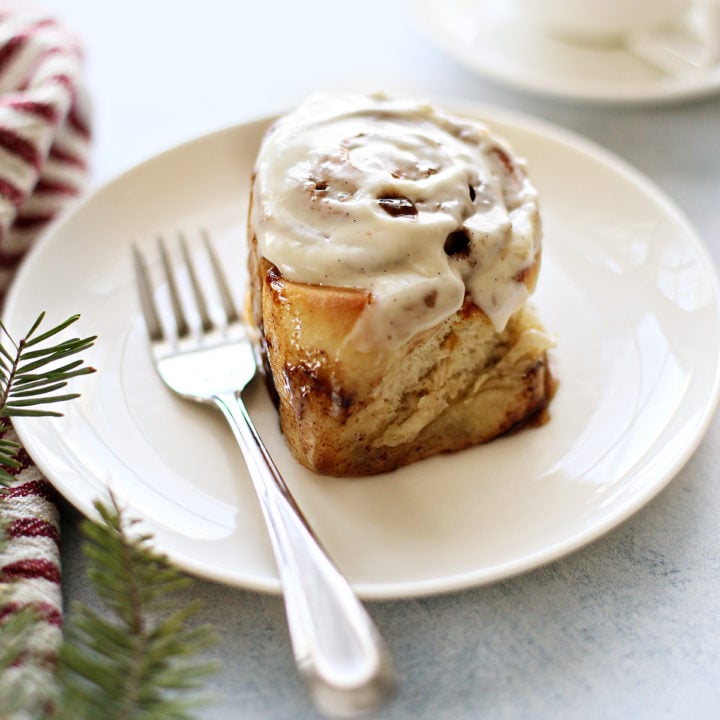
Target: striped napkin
[[44, 146]]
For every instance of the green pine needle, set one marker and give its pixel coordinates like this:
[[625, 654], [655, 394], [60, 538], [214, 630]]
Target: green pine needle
[[15, 631], [136, 660], [139, 659], [30, 379], [8, 452]]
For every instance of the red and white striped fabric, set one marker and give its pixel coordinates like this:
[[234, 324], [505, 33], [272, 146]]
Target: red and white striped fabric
[[44, 146], [30, 577], [44, 128]]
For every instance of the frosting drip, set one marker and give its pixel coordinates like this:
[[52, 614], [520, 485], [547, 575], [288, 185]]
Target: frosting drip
[[399, 199]]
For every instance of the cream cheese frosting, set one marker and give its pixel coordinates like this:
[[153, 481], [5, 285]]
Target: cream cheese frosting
[[397, 198]]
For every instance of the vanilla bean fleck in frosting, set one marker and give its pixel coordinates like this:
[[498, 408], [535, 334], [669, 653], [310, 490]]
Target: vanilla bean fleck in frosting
[[397, 198]]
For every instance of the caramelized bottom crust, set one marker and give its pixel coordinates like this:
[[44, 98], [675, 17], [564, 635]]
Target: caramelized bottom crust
[[348, 413]]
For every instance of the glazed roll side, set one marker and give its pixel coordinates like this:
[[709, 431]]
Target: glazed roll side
[[393, 317]]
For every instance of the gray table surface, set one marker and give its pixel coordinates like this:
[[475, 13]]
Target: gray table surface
[[628, 627]]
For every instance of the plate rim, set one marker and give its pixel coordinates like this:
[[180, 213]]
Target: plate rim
[[466, 579]]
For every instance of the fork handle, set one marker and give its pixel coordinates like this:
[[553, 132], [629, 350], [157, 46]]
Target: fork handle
[[338, 650]]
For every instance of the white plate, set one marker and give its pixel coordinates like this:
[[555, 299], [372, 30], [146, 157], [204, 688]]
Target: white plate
[[490, 37], [626, 285]]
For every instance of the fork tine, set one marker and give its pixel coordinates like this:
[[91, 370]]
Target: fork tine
[[231, 312], [206, 321], [181, 324], [147, 302]]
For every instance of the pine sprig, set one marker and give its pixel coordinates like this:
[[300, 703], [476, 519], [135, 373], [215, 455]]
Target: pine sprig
[[30, 376], [32, 372], [136, 662]]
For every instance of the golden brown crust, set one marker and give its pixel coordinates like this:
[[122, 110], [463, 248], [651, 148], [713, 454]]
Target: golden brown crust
[[348, 413]]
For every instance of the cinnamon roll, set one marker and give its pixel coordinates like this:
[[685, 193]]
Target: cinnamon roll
[[392, 251]]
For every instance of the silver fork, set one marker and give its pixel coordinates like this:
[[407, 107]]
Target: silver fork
[[337, 648]]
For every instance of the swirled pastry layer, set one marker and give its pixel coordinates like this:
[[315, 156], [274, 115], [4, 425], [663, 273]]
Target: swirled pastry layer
[[397, 198]]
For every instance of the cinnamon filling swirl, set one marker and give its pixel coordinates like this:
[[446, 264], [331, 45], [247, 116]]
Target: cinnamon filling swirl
[[401, 200]]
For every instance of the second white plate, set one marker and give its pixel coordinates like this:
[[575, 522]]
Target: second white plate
[[626, 286], [491, 37]]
